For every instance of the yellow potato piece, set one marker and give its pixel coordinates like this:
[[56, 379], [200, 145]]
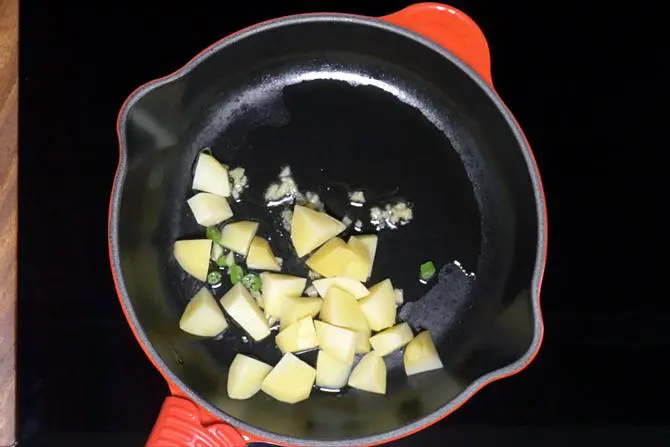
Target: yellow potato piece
[[356, 288], [294, 309], [331, 372], [211, 176], [363, 342], [290, 381], [193, 256], [299, 336], [237, 236], [336, 258], [421, 355], [379, 306], [203, 316], [362, 267], [209, 209], [370, 374], [245, 311], [276, 287], [310, 229], [336, 341], [245, 376], [340, 308], [260, 256], [370, 243], [391, 339]]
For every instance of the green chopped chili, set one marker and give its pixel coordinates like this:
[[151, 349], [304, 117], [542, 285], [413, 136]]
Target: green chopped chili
[[221, 261], [427, 270], [230, 259], [236, 273], [214, 277], [214, 234], [252, 282]]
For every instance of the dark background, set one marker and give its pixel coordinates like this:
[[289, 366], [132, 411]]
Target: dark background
[[583, 81]]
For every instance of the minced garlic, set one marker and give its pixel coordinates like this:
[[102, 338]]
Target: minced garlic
[[391, 216], [239, 182]]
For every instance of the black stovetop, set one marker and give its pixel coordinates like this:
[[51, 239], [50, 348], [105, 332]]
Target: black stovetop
[[83, 380]]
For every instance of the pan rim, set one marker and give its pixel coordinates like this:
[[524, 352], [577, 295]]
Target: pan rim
[[476, 385]]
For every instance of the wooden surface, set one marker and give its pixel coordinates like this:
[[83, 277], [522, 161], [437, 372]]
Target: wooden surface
[[9, 91]]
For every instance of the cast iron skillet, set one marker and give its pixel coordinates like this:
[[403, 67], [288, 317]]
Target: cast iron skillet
[[401, 105]]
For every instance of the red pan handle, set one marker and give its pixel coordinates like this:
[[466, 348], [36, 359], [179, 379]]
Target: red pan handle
[[449, 28], [181, 423]]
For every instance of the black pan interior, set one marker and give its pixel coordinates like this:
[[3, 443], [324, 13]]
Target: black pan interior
[[341, 102]]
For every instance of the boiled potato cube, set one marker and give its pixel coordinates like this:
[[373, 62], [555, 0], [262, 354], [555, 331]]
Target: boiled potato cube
[[209, 209], [340, 308], [245, 311], [370, 242], [203, 316], [370, 374], [364, 262], [336, 341], [379, 306], [336, 258], [193, 256], [310, 229], [356, 288], [391, 339], [331, 372], [245, 376], [211, 176], [363, 342], [294, 309], [290, 381], [276, 287], [299, 336], [420, 355], [237, 236], [260, 256]]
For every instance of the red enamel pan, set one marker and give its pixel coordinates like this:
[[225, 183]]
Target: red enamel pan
[[402, 103]]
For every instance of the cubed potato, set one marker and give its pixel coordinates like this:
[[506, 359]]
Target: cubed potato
[[336, 258], [276, 287], [237, 236], [203, 316], [209, 209], [298, 337], [211, 176], [331, 372], [391, 339], [245, 376], [363, 342], [294, 309], [370, 243], [421, 355], [310, 229], [379, 306], [356, 288], [193, 256], [340, 308], [331, 259], [260, 256], [370, 374], [245, 311], [336, 341], [365, 263], [290, 381]]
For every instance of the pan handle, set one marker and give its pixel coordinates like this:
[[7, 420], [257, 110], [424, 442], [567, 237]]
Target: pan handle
[[181, 423], [452, 29]]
